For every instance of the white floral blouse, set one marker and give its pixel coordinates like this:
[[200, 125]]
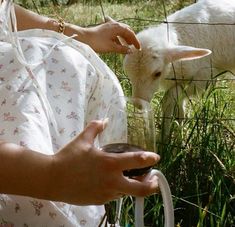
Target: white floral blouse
[[50, 88]]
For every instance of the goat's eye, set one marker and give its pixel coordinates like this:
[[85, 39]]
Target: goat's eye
[[157, 74]]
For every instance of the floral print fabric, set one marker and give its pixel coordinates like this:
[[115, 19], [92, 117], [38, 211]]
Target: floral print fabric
[[74, 83]]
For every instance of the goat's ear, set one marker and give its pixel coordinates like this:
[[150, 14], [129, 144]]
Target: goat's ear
[[185, 53]]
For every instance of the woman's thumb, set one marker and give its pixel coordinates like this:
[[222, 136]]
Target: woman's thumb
[[93, 129]]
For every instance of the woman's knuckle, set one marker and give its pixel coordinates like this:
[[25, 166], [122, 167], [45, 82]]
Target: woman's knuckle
[[94, 123], [110, 165], [141, 157]]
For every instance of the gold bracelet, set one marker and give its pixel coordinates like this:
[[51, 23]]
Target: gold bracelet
[[61, 24]]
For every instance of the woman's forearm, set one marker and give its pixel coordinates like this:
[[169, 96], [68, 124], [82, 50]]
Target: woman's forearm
[[23, 172], [27, 19]]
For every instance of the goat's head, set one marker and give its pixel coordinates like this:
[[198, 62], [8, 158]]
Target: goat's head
[[147, 68]]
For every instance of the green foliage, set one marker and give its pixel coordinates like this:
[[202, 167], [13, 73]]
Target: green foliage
[[203, 166]]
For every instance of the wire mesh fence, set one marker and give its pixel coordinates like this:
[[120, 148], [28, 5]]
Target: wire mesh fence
[[196, 159]]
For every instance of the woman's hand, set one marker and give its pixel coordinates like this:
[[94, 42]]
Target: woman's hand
[[110, 36], [83, 174]]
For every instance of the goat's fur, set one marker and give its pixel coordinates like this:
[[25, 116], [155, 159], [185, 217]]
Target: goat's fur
[[166, 49]]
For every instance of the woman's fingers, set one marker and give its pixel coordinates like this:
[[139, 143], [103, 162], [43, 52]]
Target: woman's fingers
[[128, 36], [125, 35], [138, 188], [139, 159]]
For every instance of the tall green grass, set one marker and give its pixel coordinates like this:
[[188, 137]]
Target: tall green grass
[[199, 160]]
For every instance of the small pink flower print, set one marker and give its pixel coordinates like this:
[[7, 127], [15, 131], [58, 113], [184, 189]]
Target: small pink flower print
[[1, 65], [83, 222], [54, 60], [3, 201], [72, 134], [8, 87], [17, 207], [37, 207], [28, 47], [89, 74], [36, 110], [15, 70], [63, 70], [61, 131], [16, 131], [8, 117], [4, 102], [23, 90], [58, 110], [104, 106], [74, 75], [78, 46], [53, 139], [23, 144], [114, 90], [2, 132], [49, 45], [50, 72], [54, 142], [11, 61], [93, 99], [65, 86], [56, 48], [50, 86], [52, 215], [56, 96], [72, 115], [19, 77], [14, 103]]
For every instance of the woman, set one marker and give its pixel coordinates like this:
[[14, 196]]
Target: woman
[[52, 87]]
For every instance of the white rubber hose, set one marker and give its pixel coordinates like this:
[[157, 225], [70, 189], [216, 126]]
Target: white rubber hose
[[167, 201]]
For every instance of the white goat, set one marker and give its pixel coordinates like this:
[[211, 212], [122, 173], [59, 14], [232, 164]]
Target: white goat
[[162, 61]]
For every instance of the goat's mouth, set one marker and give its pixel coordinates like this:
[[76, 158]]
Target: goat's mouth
[[137, 94]]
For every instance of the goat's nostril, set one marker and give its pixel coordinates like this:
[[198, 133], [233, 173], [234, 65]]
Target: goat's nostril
[[156, 75]]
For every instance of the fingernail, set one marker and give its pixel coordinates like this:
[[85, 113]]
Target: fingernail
[[105, 122], [158, 157]]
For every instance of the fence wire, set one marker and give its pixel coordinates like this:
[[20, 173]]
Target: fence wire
[[214, 78]]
